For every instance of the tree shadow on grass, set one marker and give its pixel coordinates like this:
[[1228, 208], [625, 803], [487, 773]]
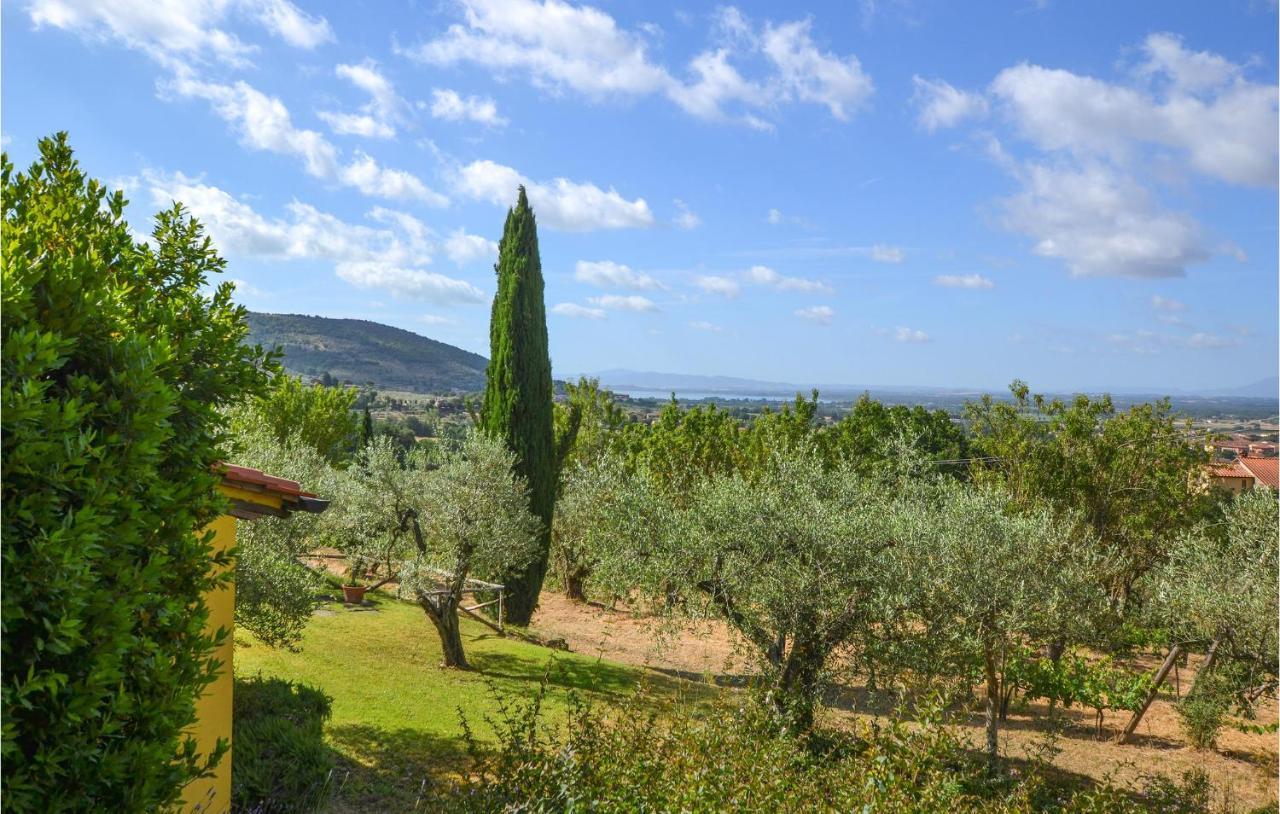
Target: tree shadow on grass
[[389, 769]]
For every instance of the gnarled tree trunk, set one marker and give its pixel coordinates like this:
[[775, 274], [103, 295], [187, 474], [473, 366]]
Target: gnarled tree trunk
[[442, 610]]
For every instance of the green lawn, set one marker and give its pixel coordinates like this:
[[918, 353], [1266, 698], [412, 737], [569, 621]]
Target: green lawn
[[396, 714]]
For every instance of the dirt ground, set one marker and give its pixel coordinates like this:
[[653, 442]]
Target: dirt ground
[[1243, 767]]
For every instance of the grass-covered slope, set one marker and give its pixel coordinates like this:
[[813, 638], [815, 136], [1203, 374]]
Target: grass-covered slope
[[363, 352], [396, 715]]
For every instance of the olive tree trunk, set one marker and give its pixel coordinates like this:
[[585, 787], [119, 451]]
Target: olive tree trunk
[[442, 610], [992, 708]]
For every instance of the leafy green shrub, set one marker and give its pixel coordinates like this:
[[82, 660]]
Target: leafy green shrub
[[642, 757], [1204, 710], [116, 366], [281, 762]]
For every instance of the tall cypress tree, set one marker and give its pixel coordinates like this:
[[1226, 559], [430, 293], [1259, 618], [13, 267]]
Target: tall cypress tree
[[517, 397]]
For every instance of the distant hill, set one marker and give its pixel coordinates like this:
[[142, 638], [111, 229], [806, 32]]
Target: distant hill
[[361, 352], [1263, 388]]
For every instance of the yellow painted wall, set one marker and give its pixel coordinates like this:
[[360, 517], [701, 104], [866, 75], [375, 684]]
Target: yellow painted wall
[[213, 709]]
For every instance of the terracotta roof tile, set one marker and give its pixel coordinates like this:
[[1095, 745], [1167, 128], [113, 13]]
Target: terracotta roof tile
[[1264, 469]]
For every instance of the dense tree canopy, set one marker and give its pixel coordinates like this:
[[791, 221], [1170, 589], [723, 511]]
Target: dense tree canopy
[[1131, 477], [118, 363]]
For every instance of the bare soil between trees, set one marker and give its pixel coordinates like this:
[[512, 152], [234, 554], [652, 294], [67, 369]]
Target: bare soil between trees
[[1242, 768]]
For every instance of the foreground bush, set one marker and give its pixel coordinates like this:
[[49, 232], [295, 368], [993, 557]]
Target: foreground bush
[[697, 760], [281, 762], [116, 364]]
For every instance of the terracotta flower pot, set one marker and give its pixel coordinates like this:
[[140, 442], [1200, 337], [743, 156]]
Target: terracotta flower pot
[[353, 594]]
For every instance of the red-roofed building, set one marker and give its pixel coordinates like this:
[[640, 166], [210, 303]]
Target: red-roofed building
[[1263, 471], [1244, 474], [1231, 476]]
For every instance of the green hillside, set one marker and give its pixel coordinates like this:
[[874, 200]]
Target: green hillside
[[363, 352]]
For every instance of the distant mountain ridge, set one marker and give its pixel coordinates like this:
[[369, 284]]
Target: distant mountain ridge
[[364, 352]]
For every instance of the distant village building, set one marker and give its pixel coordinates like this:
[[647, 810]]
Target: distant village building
[[1246, 473]]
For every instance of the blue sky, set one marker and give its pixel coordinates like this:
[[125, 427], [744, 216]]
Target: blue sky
[[1079, 194]]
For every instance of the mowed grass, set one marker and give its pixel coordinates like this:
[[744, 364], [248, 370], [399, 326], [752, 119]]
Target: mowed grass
[[397, 716]]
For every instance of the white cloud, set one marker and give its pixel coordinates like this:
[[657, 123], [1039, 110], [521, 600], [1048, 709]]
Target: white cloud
[[685, 217], [378, 117], [882, 253], [1199, 103], [1100, 150], [290, 23], [901, 334], [448, 105], [246, 289], [264, 123], [608, 274], [463, 248], [821, 314], [409, 282], [366, 175], [1102, 224], [171, 30], [715, 284], [774, 217], [812, 75], [619, 302], [390, 255], [709, 327], [560, 46], [1160, 303], [434, 319], [940, 104], [560, 203], [963, 281], [572, 309], [763, 275]]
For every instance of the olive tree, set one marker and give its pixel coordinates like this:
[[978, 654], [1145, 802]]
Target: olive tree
[[791, 559], [981, 580], [275, 592], [1220, 586], [475, 519]]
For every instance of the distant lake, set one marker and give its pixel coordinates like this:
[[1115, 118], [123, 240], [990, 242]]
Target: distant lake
[[696, 395]]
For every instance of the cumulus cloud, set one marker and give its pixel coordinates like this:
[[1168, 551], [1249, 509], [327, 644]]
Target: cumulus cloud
[[1089, 191], [1197, 103], [560, 203], [575, 311], [264, 123], [716, 284], [624, 302], [963, 281], [763, 275], [1101, 223], [709, 327], [940, 104], [169, 32], [821, 314], [378, 117], [560, 46], [390, 255], [463, 248], [451, 106], [902, 334], [608, 274]]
